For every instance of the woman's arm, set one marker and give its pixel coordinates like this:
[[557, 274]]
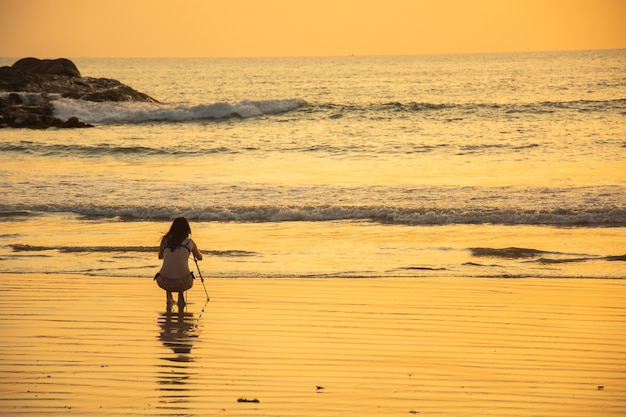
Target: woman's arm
[[196, 252]]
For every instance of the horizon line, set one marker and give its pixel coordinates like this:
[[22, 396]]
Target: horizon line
[[321, 56]]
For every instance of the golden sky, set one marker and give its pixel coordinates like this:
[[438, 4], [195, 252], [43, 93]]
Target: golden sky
[[222, 28]]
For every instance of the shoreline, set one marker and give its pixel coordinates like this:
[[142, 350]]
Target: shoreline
[[314, 346]]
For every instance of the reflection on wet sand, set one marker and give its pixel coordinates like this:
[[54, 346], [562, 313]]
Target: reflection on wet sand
[[178, 330]]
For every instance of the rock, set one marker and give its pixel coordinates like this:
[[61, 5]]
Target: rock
[[34, 112], [15, 99], [34, 83], [102, 89], [60, 66]]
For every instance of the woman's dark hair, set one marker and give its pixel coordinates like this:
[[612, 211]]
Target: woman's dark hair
[[178, 233]]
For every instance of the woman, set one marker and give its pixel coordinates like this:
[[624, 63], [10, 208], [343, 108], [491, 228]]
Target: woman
[[176, 246]]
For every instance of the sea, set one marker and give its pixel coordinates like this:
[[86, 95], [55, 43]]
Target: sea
[[505, 166]]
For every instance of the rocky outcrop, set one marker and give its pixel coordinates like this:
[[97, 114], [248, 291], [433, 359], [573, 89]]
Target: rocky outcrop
[[32, 111], [31, 85], [61, 66]]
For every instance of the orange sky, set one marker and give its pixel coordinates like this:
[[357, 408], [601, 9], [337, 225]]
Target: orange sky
[[216, 28]]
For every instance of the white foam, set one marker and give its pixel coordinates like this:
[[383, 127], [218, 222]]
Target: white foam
[[605, 217], [138, 112]]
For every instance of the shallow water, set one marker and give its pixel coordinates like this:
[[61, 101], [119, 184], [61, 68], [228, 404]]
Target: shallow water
[[58, 243]]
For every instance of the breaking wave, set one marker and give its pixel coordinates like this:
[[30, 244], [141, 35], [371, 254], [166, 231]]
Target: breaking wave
[[138, 112], [434, 216]]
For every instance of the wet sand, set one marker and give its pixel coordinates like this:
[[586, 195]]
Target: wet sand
[[81, 345]]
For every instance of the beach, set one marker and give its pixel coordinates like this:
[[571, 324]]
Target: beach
[[85, 345], [435, 235]]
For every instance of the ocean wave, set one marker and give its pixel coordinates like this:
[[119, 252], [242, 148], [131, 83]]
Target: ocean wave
[[139, 112], [11, 214], [40, 149], [539, 256], [430, 216], [20, 247], [427, 216], [105, 149], [507, 253], [458, 110], [611, 258]]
